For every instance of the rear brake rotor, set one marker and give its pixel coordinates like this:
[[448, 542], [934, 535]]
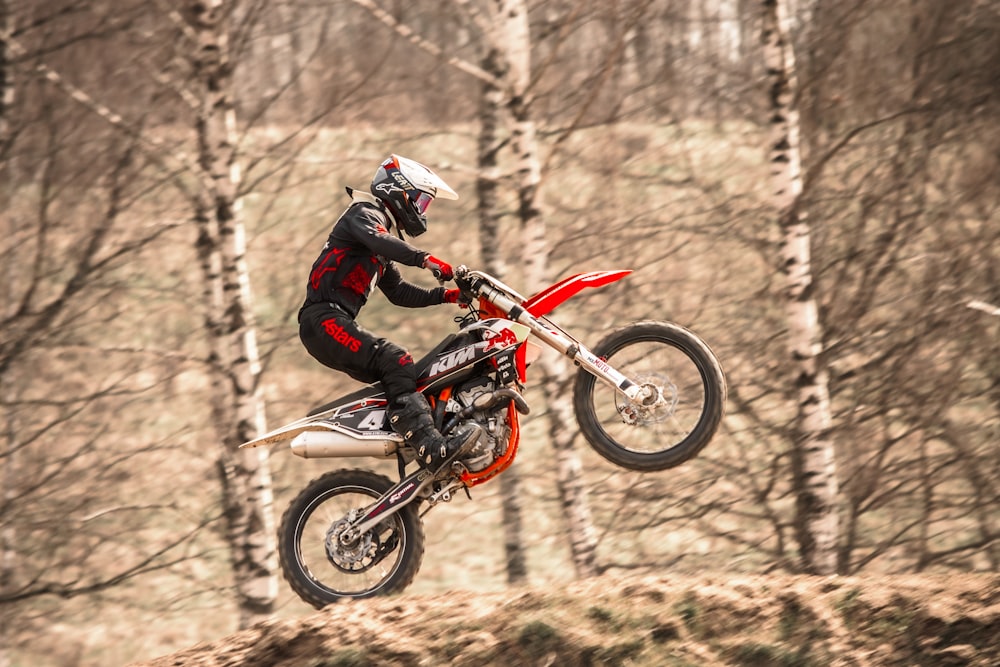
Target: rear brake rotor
[[351, 557]]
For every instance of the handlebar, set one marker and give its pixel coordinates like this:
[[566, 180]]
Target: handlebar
[[475, 283], [508, 300]]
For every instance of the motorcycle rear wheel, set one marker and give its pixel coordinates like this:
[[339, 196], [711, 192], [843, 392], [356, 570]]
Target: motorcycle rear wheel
[[322, 571], [686, 404]]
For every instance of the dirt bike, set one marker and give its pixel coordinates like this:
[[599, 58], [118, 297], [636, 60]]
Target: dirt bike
[[647, 397]]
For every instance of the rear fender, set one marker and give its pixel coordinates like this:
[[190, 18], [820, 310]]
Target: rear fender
[[360, 419], [546, 300]]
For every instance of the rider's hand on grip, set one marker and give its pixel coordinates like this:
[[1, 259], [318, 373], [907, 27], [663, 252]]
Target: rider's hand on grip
[[455, 296], [441, 270]]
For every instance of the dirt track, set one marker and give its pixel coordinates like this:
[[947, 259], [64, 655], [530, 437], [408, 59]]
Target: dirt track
[[663, 621]]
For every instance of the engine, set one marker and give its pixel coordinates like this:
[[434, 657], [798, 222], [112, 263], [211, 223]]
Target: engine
[[480, 401]]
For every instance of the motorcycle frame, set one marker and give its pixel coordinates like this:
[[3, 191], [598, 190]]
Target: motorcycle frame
[[531, 313], [498, 300]]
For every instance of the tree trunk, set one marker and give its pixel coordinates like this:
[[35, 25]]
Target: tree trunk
[[513, 17], [487, 184], [8, 475], [813, 462], [237, 406], [6, 80], [572, 491]]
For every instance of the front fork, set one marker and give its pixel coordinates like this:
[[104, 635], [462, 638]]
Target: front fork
[[568, 346]]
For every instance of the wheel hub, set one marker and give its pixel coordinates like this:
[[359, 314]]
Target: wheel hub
[[656, 403], [350, 555]]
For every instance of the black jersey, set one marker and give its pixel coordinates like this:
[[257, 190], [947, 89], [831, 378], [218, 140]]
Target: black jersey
[[358, 255]]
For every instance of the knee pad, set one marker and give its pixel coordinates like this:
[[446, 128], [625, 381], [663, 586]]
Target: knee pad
[[394, 366]]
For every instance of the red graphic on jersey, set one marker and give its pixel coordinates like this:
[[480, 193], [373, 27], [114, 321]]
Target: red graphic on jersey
[[502, 340], [336, 332], [406, 360], [358, 280], [329, 262]]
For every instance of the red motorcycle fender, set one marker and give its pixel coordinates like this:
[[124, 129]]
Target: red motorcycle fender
[[550, 297]]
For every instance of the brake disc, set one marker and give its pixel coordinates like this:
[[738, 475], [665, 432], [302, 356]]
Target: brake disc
[[351, 557], [657, 403]]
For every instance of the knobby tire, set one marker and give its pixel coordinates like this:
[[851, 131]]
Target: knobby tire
[[687, 350], [310, 586]]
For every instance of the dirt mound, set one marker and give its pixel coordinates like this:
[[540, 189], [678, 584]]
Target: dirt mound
[[677, 620]]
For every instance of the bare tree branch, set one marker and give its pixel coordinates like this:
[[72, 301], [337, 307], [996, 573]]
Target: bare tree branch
[[407, 33], [976, 304]]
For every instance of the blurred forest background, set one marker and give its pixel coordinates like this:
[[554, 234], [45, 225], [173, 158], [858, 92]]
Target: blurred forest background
[[164, 161]]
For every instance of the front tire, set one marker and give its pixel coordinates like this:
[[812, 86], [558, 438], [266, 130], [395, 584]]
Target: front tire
[[319, 568], [685, 405]]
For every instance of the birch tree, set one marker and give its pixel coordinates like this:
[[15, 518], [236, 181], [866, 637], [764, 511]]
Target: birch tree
[[511, 16], [493, 97], [71, 385], [487, 186], [505, 27], [237, 406], [813, 460]]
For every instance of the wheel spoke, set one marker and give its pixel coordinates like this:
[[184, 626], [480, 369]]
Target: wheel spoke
[[677, 383], [321, 567], [676, 414], [346, 570]]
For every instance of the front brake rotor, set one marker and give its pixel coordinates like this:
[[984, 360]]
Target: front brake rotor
[[657, 403]]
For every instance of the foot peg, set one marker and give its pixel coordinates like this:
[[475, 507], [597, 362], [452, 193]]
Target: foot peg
[[459, 443]]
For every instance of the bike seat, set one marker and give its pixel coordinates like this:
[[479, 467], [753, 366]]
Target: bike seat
[[375, 389]]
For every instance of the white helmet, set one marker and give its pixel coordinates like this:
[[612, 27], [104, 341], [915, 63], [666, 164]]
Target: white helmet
[[407, 188]]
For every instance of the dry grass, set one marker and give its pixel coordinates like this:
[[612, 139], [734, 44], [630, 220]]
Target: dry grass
[[707, 620]]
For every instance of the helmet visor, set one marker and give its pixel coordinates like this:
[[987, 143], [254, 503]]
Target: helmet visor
[[422, 202]]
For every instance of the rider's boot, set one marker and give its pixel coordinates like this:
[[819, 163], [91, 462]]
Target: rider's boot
[[411, 418]]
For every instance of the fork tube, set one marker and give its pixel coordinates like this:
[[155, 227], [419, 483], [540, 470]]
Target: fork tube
[[564, 343]]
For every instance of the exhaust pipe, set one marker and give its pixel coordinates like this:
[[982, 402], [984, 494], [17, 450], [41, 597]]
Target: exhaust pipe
[[330, 444]]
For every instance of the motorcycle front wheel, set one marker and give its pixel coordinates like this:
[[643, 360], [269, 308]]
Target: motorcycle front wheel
[[320, 567], [682, 408]]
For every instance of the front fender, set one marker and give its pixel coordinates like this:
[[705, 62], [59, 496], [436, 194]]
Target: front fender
[[546, 300]]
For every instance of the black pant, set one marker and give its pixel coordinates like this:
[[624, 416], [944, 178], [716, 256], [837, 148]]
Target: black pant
[[334, 339]]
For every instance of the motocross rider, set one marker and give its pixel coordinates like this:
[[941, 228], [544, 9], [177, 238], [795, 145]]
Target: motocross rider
[[358, 255]]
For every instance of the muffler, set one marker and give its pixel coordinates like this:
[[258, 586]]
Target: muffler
[[330, 444]]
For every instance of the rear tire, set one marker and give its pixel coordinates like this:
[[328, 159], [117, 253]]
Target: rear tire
[[690, 397], [319, 569]]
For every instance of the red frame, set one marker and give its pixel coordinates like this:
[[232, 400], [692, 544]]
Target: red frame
[[539, 304]]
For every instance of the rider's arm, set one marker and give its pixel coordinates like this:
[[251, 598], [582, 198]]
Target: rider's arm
[[368, 227], [406, 294]]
